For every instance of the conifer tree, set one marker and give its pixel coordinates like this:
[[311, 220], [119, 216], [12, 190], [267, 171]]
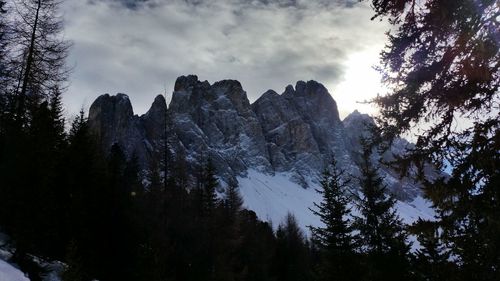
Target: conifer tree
[[256, 248], [120, 254], [116, 164], [229, 233], [180, 171], [334, 240], [209, 184], [155, 239], [47, 189], [207, 209], [57, 115], [132, 177], [432, 260], [291, 259], [468, 215], [233, 201], [382, 234], [442, 67], [85, 172]]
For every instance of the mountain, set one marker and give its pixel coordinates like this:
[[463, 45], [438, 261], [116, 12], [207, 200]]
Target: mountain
[[276, 146]]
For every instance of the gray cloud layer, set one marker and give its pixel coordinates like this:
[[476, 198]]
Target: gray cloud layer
[[141, 47]]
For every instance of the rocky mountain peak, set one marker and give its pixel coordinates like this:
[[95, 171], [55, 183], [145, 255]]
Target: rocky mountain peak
[[112, 120], [232, 90], [289, 90], [269, 94], [358, 121], [153, 121], [188, 93], [159, 106], [314, 101], [310, 88], [185, 82], [118, 107], [110, 112], [229, 84]]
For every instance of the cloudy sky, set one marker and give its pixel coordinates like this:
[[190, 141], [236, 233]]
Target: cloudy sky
[[140, 47]]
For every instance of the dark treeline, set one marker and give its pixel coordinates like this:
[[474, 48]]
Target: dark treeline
[[63, 198]]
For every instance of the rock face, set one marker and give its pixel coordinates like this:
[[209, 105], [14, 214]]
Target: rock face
[[217, 121], [302, 129], [112, 120], [296, 132]]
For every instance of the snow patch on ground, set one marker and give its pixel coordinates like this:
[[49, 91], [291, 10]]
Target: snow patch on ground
[[10, 273], [271, 197]]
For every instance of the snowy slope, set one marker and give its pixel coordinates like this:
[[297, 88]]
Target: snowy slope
[[271, 197], [10, 273]]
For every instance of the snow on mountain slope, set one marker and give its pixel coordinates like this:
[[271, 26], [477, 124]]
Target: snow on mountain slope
[[271, 197], [10, 273]]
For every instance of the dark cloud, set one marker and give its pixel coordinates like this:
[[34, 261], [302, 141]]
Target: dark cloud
[[140, 47], [131, 4], [134, 4]]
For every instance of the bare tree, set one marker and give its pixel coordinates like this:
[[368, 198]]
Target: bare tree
[[39, 51], [3, 47]]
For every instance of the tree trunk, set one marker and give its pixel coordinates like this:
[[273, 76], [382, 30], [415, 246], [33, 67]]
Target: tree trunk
[[29, 62]]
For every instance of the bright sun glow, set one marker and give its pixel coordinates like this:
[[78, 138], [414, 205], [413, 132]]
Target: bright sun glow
[[360, 83]]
